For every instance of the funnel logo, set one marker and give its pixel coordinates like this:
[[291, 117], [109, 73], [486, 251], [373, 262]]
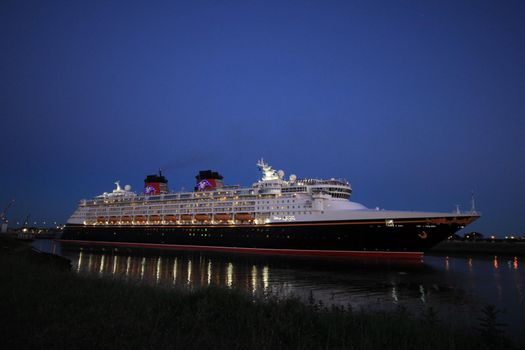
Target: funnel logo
[[204, 184], [152, 188]]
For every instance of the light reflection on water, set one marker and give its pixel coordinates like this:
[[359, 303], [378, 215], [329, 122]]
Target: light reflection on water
[[457, 287]]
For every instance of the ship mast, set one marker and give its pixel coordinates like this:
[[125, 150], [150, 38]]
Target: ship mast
[[268, 173]]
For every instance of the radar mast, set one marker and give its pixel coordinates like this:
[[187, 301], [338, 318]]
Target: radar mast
[[269, 174]]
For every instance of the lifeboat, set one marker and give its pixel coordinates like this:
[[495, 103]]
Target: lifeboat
[[154, 218], [244, 217], [113, 219], [186, 217], [140, 219], [101, 220], [202, 217], [222, 217], [170, 218], [438, 221], [126, 219], [462, 221]]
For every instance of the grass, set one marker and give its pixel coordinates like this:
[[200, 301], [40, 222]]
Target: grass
[[44, 305]]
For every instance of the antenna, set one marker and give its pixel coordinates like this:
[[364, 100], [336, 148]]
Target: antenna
[[26, 222], [472, 203]]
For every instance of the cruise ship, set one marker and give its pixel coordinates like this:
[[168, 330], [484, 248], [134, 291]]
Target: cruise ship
[[276, 215]]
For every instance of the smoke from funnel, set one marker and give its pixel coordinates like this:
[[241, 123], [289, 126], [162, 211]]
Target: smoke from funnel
[[188, 161]]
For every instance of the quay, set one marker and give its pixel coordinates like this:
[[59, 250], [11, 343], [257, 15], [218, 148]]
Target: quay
[[500, 247]]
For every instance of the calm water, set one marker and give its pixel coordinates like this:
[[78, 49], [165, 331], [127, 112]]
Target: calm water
[[457, 287]]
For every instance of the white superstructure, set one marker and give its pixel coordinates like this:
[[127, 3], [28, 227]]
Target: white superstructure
[[270, 200]]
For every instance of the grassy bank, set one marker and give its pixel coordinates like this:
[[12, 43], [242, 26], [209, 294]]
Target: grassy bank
[[44, 305]]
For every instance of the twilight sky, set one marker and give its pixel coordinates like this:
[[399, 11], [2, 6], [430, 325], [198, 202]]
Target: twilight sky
[[416, 103]]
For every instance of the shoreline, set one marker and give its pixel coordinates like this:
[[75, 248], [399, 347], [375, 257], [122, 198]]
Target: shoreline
[[479, 247]]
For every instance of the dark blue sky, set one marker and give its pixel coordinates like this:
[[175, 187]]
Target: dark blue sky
[[417, 103]]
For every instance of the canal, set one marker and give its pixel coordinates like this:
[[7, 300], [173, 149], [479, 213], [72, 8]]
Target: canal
[[456, 287]]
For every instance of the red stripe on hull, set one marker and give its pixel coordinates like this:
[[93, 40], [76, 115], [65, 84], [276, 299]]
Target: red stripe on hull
[[298, 252]]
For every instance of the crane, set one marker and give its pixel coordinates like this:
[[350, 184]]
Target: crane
[[3, 216]]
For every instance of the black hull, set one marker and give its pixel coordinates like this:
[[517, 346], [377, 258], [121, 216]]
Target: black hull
[[354, 238]]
